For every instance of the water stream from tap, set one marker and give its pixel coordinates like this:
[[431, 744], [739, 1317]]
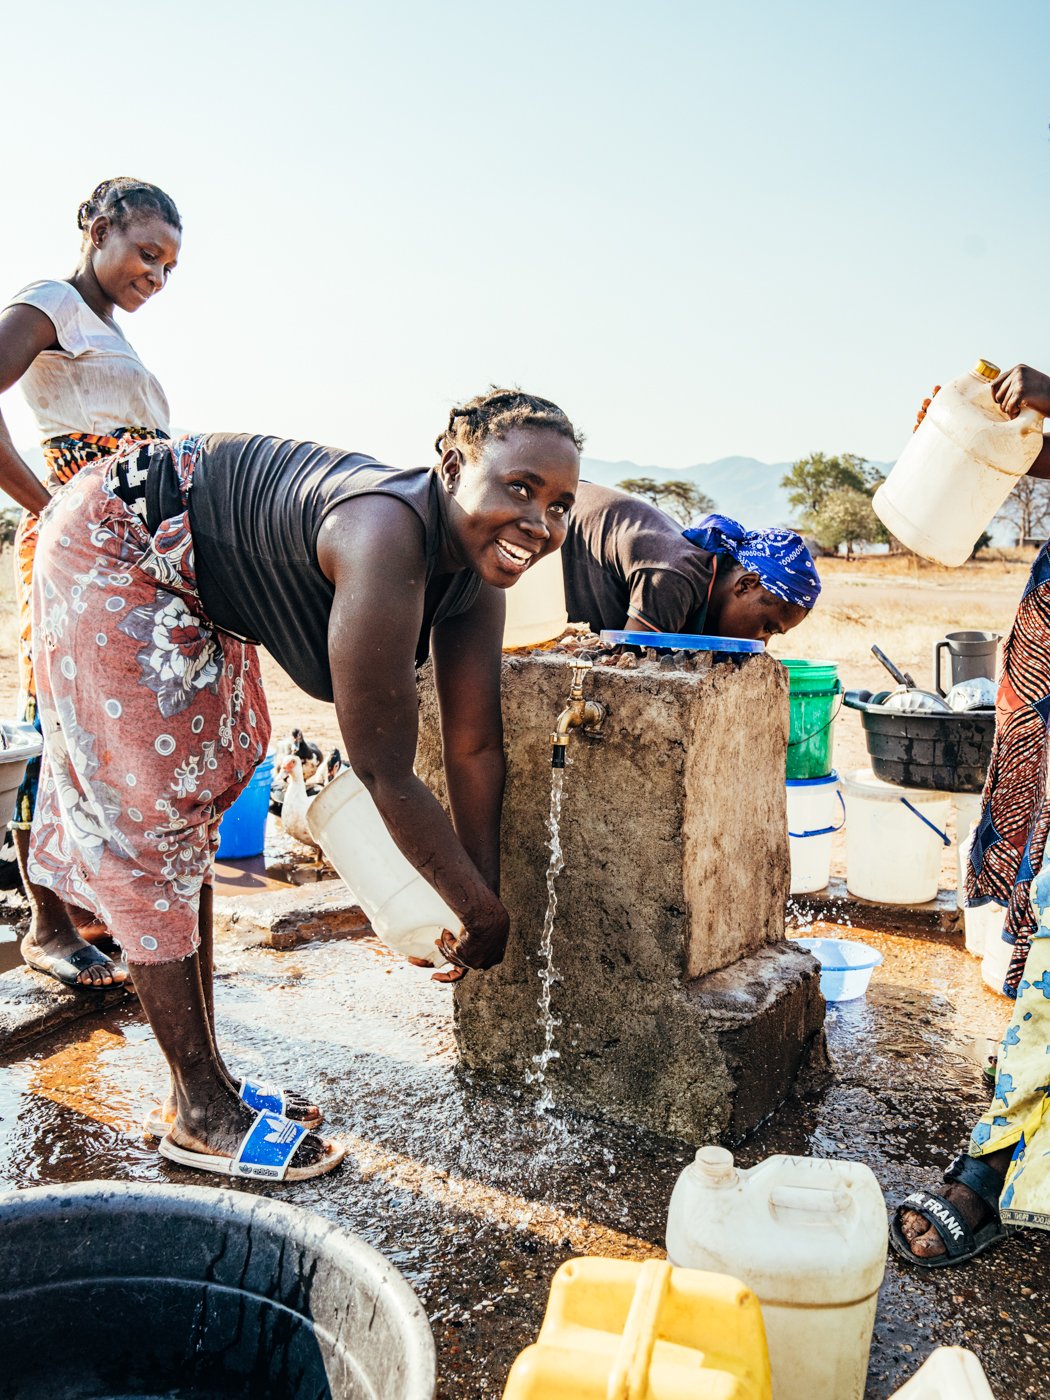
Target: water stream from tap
[[548, 1022]]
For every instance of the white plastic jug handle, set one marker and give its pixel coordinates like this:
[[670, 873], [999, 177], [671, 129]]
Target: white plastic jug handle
[[827, 1201], [1027, 417]]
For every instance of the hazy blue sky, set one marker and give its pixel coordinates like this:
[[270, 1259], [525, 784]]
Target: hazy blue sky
[[704, 229]]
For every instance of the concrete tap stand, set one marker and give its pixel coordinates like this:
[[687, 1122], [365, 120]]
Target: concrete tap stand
[[682, 1008]]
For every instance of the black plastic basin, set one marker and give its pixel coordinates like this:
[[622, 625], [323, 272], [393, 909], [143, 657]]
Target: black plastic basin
[[114, 1289], [949, 752]]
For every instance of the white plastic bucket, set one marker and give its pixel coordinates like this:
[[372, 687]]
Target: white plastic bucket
[[983, 927], [405, 911], [18, 744], [957, 469], [846, 966], [815, 811], [967, 815], [949, 1373], [997, 956], [536, 605], [895, 839], [985, 923]]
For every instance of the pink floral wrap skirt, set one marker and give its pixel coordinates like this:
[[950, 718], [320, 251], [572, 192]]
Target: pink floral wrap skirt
[[153, 720]]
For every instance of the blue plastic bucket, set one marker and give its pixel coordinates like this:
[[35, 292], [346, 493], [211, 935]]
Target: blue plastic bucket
[[242, 831]]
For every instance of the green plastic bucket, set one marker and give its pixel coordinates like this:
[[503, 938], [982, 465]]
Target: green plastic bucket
[[816, 696]]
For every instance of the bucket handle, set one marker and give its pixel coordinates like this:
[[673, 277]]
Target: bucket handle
[[825, 830], [946, 839], [812, 694]]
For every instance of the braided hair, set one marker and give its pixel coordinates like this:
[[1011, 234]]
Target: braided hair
[[499, 412], [122, 198]]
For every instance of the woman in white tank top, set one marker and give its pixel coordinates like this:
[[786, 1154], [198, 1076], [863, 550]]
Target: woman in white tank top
[[87, 389]]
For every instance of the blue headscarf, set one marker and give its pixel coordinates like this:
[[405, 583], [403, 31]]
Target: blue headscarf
[[779, 557]]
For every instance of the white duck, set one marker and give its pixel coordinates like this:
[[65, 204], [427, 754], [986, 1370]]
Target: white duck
[[295, 802]]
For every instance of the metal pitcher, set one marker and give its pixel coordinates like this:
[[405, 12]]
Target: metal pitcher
[[970, 654]]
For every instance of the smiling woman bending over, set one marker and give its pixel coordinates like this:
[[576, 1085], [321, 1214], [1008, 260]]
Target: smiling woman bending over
[[184, 556]]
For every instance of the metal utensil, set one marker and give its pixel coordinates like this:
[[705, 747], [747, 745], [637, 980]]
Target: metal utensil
[[901, 677]]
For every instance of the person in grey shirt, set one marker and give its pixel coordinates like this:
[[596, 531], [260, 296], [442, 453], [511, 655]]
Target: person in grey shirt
[[628, 566]]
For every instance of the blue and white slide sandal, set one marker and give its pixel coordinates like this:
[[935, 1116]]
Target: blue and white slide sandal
[[262, 1098], [265, 1153]]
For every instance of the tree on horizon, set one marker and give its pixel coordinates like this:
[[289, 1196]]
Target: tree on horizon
[[681, 500], [832, 496]]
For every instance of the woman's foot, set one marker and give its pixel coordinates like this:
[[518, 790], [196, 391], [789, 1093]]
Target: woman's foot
[[52, 945], [89, 928], [957, 1220], [218, 1128], [296, 1106], [62, 954], [210, 1134], [923, 1240]]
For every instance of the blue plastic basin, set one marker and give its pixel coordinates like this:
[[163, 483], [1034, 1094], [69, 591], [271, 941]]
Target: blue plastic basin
[[845, 966], [681, 641]]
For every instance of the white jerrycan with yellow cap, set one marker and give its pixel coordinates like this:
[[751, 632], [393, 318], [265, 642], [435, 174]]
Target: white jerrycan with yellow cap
[[808, 1236], [960, 465]]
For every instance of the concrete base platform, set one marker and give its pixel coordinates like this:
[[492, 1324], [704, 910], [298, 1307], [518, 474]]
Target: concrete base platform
[[285, 917], [705, 1062], [31, 1005]]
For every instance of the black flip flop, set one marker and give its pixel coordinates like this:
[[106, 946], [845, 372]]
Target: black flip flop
[[961, 1241], [67, 970]]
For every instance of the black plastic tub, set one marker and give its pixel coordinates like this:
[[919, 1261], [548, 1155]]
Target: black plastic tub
[[110, 1289], [948, 752]]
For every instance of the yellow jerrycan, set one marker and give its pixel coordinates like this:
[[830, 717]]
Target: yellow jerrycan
[[617, 1330]]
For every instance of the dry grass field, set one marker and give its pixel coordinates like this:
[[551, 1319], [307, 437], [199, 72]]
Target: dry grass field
[[903, 604]]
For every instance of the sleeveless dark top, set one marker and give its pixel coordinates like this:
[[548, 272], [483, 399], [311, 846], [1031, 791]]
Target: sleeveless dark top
[[623, 558], [256, 505]]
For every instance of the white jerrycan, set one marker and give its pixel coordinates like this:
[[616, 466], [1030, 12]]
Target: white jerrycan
[[809, 1237], [536, 610], [405, 911], [960, 465], [949, 1373]]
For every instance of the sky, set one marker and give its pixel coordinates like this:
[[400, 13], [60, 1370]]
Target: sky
[[704, 229]]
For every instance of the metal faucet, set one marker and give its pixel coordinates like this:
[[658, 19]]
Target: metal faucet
[[578, 714]]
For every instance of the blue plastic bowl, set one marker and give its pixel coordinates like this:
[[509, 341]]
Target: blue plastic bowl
[[242, 831], [845, 966], [681, 641]]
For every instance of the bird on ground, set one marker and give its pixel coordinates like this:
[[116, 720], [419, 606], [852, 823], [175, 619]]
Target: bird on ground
[[294, 745], [295, 801], [334, 765]]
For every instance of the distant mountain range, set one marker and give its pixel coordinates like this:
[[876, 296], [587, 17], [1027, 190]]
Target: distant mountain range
[[746, 489]]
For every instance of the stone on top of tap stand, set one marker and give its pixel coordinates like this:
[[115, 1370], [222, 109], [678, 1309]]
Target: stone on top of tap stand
[[674, 836]]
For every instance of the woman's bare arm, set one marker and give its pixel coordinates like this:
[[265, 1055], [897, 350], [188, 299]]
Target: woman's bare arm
[[467, 653], [371, 549], [24, 333]]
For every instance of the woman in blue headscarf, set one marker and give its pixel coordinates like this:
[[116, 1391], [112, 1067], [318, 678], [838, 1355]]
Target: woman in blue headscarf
[[628, 566], [764, 581]]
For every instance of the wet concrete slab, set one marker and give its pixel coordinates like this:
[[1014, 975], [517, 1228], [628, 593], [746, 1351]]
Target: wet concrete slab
[[478, 1200]]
